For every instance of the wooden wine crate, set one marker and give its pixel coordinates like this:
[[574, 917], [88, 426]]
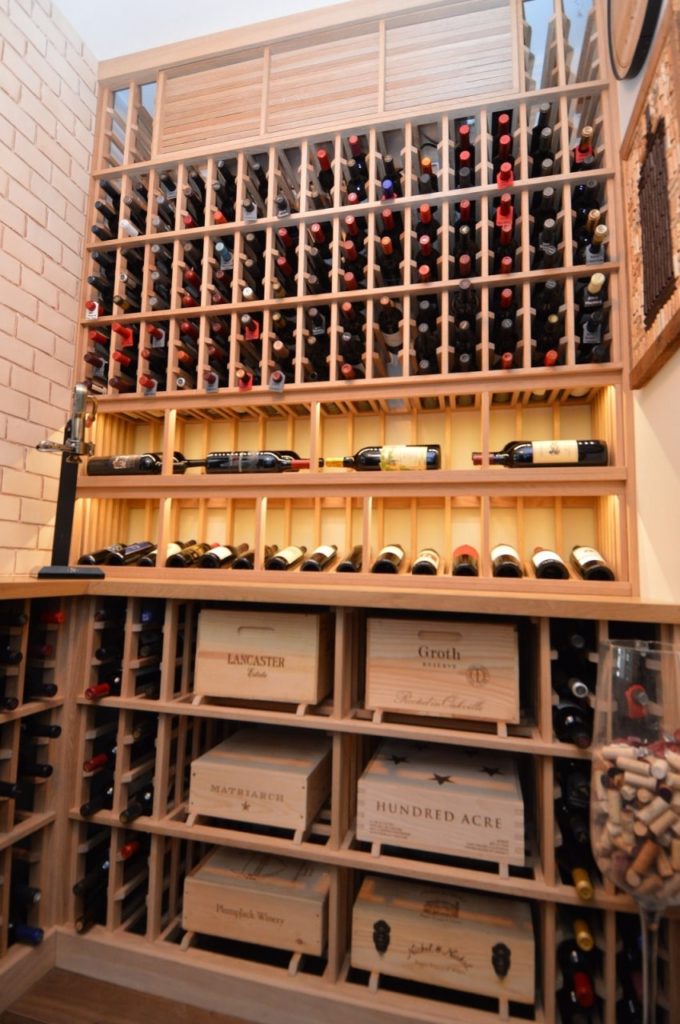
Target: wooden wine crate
[[457, 801], [444, 936], [253, 897], [453, 669], [280, 656], [278, 777]]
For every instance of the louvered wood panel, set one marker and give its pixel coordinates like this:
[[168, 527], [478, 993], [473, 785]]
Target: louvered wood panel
[[218, 104], [469, 53], [331, 80]]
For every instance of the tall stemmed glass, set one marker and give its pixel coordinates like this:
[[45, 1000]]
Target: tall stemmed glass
[[635, 788]]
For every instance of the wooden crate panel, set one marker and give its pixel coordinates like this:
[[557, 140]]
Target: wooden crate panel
[[278, 777], [330, 80], [462, 802], [280, 657], [457, 669], [444, 936], [221, 103], [253, 897], [452, 69]]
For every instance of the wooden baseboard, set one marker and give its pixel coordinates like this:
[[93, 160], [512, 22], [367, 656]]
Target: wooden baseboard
[[23, 966]]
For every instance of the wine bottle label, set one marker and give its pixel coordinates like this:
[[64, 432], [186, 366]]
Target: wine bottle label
[[540, 557], [289, 554], [158, 341], [547, 452], [173, 549], [221, 552], [502, 550], [428, 555], [120, 462], [392, 340], [391, 549], [92, 314], [403, 456], [325, 551], [584, 555]]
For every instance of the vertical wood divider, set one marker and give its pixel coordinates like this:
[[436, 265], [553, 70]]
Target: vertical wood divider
[[549, 976], [609, 967]]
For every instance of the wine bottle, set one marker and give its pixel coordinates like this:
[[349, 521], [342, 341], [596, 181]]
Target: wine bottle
[[426, 563], [37, 690], [9, 656], [589, 563], [255, 462], [352, 561], [583, 149], [140, 805], [465, 561], [548, 565], [569, 686], [221, 556], [505, 561], [575, 867], [188, 556], [136, 465], [573, 723], [286, 558], [389, 457], [27, 935], [389, 559], [9, 790], [34, 727], [101, 801], [321, 558], [527, 454], [22, 895], [93, 879], [247, 559]]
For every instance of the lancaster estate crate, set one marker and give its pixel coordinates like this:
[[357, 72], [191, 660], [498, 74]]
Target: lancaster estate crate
[[254, 897], [281, 656], [438, 935], [445, 669], [268, 776], [460, 801]]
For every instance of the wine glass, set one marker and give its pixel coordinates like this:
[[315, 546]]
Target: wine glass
[[635, 785]]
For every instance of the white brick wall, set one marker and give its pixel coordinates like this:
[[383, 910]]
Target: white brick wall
[[47, 107]]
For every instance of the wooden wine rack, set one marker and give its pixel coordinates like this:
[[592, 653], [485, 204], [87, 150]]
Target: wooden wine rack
[[395, 106], [478, 410]]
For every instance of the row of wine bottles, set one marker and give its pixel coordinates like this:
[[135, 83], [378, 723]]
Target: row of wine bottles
[[371, 458], [183, 200], [587, 563], [118, 359], [388, 250], [30, 676]]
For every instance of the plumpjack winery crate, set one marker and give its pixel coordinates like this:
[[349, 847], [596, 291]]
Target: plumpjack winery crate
[[437, 935], [280, 656], [254, 897], [467, 670], [272, 777], [451, 800]]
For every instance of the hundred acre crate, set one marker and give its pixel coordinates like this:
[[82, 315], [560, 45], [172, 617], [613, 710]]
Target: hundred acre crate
[[282, 656], [454, 669], [451, 800], [253, 897], [444, 936], [278, 777]]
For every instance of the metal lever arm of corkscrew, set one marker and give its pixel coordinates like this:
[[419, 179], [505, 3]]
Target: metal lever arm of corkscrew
[[83, 411]]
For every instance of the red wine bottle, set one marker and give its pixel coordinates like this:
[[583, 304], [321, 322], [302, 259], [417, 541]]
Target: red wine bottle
[[286, 558], [374, 458], [528, 454], [589, 563], [320, 558], [352, 561], [465, 561], [505, 561], [426, 563], [573, 723], [548, 565], [255, 462], [140, 805]]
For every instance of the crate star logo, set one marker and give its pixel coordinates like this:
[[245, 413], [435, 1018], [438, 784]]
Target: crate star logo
[[491, 771], [441, 779], [397, 759]]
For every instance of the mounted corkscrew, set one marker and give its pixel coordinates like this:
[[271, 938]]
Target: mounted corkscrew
[[72, 449]]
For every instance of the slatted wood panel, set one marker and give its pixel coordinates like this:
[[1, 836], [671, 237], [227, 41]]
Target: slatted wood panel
[[452, 68], [217, 103], [329, 80]]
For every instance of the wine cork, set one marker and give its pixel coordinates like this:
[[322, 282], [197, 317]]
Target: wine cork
[[675, 801], [675, 854], [670, 888], [643, 796], [628, 791], [663, 865], [615, 750], [651, 811], [673, 759], [646, 781], [640, 829], [659, 768], [673, 780], [649, 884], [663, 822], [645, 858], [631, 764], [614, 805], [632, 878]]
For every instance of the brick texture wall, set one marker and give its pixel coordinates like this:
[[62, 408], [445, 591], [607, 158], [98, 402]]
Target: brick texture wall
[[47, 108]]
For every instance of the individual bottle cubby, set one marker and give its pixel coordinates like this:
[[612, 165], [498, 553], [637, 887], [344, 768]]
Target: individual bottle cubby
[[23, 913], [111, 879], [28, 653]]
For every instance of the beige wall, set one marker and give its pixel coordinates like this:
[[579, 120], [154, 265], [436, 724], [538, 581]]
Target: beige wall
[[47, 105]]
